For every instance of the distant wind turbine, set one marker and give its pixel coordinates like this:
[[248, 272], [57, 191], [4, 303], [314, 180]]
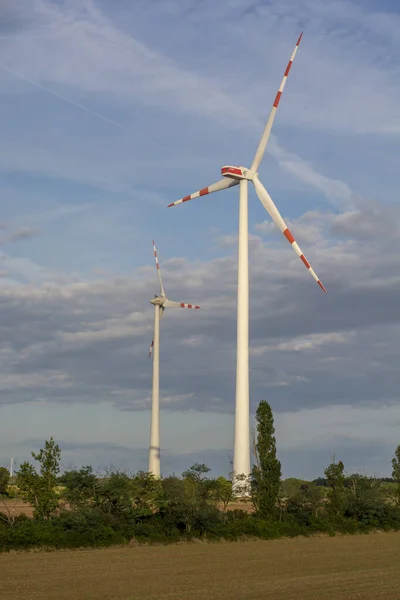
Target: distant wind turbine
[[160, 303], [232, 176]]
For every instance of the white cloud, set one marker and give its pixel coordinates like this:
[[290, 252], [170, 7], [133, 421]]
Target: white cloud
[[302, 343], [82, 50]]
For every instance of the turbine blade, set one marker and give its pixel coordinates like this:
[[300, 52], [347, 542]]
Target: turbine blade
[[273, 212], [265, 136], [151, 348], [223, 184], [158, 270], [171, 304]]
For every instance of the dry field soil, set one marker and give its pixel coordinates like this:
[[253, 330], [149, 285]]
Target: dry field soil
[[320, 568]]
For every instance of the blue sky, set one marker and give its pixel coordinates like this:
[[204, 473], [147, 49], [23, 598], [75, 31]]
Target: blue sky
[[112, 110]]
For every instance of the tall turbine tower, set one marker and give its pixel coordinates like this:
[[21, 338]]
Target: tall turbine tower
[[160, 303], [232, 176], [11, 467]]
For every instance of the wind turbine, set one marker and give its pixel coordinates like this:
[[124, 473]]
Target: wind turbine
[[160, 303], [232, 176]]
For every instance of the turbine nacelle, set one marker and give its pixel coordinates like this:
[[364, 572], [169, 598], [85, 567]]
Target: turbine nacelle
[[158, 301], [238, 173]]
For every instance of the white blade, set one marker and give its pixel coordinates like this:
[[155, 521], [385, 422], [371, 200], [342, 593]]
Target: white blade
[[171, 304], [265, 136], [223, 184], [158, 270], [273, 212]]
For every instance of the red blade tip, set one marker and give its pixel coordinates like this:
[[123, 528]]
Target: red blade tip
[[169, 205], [322, 287], [299, 40]]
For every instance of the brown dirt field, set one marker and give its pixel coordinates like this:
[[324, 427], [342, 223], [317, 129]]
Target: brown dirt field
[[26, 509], [318, 568], [246, 506], [18, 508]]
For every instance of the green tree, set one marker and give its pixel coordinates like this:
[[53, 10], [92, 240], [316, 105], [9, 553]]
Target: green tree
[[190, 502], [182, 504], [147, 493], [396, 472], [199, 486], [196, 472], [81, 487], [114, 495], [39, 488], [305, 497], [4, 480], [290, 487], [365, 502], [334, 474], [266, 473], [224, 492]]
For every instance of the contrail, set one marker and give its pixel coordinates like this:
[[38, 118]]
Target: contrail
[[77, 105]]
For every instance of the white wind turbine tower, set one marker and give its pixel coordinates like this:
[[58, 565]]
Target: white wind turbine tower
[[237, 175], [11, 466], [160, 303]]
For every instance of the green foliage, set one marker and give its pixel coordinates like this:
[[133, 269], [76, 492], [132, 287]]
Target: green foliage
[[396, 472], [320, 481], [190, 502], [224, 492], [366, 505], [118, 507], [147, 493], [304, 502], [4, 481], [114, 495], [334, 474], [80, 487], [266, 474], [39, 488]]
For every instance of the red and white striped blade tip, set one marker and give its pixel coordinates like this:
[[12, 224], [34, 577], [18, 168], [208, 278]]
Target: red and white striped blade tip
[[198, 194], [183, 305], [220, 185], [290, 238]]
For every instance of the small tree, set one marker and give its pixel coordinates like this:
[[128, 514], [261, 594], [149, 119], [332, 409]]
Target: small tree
[[114, 495], [224, 492], [197, 484], [147, 493], [4, 481], [196, 472], [39, 489], [81, 487], [266, 473], [334, 474], [365, 501], [396, 472]]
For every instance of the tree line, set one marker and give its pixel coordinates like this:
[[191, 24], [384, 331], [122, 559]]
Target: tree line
[[81, 508]]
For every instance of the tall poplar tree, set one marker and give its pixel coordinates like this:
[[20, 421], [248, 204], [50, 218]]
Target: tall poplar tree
[[396, 472], [266, 473]]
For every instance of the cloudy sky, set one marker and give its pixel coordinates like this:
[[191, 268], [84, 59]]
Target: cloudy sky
[[109, 111]]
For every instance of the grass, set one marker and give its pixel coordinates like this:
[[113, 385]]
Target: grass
[[362, 567]]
